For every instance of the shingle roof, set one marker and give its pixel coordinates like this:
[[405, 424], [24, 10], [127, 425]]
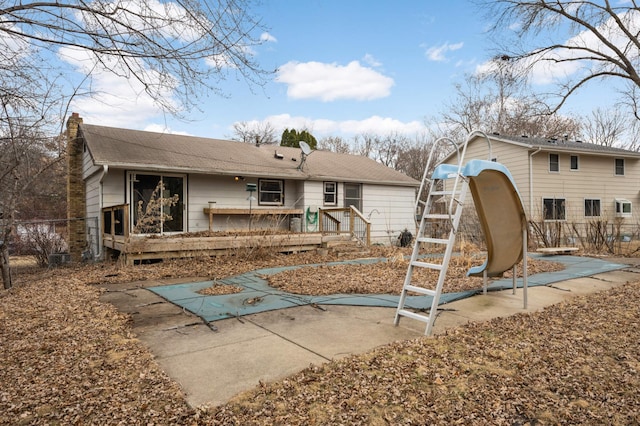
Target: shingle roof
[[549, 144], [135, 149]]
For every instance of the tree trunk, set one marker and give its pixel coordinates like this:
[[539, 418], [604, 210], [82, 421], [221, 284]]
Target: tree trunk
[[5, 267]]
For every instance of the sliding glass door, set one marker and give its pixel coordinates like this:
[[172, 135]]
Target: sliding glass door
[[157, 203]]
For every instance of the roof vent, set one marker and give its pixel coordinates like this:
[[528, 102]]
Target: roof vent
[[579, 141], [524, 136], [278, 155], [496, 133]]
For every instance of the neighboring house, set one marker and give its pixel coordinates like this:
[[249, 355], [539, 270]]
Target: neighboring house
[[562, 180], [124, 167]]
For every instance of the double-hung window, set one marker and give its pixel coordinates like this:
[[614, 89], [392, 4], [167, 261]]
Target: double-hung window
[[271, 192], [554, 209], [619, 166], [575, 164], [353, 195], [330, 193], [591, 207], [554, 163]]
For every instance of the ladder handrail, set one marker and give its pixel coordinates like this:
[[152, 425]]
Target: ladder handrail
[[481, 133], [428, 166], [456, 181]]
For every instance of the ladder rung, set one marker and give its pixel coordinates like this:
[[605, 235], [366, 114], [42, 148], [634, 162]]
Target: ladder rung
[[444, 192], [413, 315], [433, 240], [436, 216], [427, 265], [420, 290]]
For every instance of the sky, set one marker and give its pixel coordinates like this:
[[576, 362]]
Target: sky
[[344, 67]]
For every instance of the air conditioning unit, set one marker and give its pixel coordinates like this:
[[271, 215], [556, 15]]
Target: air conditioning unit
[[623, 207], [57, 259]]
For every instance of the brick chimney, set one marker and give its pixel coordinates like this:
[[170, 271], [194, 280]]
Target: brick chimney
[[76, 204]]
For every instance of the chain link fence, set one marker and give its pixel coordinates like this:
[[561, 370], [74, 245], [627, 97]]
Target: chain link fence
[[47, 240]]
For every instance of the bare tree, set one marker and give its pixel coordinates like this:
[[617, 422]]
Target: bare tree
[[174, 50], [412, 157], [25, 154], [606, 127], [258, 133], [334, 144], [497, 100], [589, 41]]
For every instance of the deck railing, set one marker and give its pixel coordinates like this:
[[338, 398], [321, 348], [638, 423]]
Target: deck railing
[[345, 221], [115, 221]]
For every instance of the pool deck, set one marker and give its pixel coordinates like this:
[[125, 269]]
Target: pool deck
[[214, 357]]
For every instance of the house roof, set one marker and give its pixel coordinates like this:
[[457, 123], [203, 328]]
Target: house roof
[[553, 145], [135, 149]]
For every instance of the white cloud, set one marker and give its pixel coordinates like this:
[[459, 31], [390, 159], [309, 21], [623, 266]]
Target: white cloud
[[266, 37], [348, 128], [437, 53], [330, 82], [114, 100], [163, 128], [371, 60]]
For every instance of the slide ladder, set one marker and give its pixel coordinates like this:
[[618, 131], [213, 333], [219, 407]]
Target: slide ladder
[[433, 225]]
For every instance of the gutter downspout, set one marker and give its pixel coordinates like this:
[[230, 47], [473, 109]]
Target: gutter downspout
[[105, 170], [531, 181]]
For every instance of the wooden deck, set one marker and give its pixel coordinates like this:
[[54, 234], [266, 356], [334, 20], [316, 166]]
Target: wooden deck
[[117, 237], [145, 248]]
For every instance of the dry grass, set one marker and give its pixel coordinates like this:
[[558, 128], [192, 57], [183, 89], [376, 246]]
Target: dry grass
[[69, 359]]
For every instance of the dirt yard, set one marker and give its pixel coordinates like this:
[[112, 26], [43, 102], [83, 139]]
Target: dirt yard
[[68, 358]]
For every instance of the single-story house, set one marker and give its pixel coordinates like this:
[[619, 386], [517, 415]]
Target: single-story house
[[563, 180], [214, 184]]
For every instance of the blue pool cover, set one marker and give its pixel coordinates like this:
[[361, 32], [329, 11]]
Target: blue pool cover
[[258, 296]]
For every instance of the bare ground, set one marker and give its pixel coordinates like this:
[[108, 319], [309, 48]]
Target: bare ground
[[68, 358]]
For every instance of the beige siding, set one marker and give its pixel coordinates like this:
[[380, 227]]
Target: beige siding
[[594, 179], [514, 158]]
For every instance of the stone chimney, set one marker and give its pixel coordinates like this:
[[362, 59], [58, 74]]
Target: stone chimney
[[76, 204]]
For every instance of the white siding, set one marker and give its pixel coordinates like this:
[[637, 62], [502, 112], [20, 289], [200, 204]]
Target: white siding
[[390, 210], [92, 188], [88, 168], [229, 193]]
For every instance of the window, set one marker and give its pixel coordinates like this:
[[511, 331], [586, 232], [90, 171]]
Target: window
[[574, 162], [157, 203], [553, 208], [619, 166], [554, 163], [330, 193], [591, 207], [623, 208], [352, 195], [271, 192]]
